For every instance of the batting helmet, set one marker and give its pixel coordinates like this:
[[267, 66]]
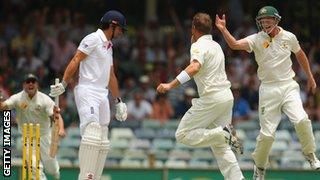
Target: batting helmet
[[114, 17], [268, 11]]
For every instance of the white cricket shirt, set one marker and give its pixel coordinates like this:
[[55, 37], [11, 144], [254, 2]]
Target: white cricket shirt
[[95, 68], [273, 55], [211, 77], [35, 110]]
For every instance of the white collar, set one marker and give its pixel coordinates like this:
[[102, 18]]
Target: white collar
[[206, 36], [27, 96], [102, 35]]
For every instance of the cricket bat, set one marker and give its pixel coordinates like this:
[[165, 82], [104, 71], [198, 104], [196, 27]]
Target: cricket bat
[[55, 130]]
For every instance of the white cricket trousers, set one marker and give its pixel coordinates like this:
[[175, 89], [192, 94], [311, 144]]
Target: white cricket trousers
[[207, 116], [92, 104], [275, 98]]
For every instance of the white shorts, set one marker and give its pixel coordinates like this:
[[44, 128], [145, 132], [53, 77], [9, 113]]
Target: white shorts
[[209, 112], [275, 98], [92, 104]]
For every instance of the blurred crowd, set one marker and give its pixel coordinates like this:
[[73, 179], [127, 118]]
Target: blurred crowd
[[40, 38]]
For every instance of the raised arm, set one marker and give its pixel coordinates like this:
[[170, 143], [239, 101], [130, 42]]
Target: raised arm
[[304, 63], [234, 44]]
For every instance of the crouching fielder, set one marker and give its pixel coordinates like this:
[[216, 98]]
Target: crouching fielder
[[96, 78], [203, 124], [33, 106]]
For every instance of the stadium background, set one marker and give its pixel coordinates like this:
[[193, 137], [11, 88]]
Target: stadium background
[[41, 37]]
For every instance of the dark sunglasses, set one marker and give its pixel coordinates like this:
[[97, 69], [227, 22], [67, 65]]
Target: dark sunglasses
[[30, 81]]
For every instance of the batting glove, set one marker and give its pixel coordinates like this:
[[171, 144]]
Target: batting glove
[[121, 111], [56, 90]]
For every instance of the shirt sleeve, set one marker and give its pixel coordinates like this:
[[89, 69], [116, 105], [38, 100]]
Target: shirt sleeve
[[196, 53], [12, 102], [88, 44], [251, 41], [295, 46], [49, 106]]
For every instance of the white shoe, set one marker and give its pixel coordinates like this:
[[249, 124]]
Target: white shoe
[[235, 143], [258, 173], [313, 160]]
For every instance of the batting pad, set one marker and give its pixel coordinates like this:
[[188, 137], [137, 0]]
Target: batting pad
[[305, 135], [103, 152], [89, 150], [262, 150]]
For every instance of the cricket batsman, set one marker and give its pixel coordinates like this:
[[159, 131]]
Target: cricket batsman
[[94, 61]]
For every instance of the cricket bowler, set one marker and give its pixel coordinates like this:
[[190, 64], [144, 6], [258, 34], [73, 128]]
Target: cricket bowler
[[204, 124]]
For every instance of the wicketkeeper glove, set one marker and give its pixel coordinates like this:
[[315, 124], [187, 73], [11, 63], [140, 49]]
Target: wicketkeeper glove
[[121, 111]]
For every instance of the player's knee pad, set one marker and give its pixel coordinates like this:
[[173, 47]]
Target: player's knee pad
[[304, 132], [92, 133], [92, 136], [262, 150]]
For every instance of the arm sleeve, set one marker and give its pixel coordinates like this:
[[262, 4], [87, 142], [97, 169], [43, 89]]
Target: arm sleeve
[[49, 106], [196, 53], [295, 46], [251, 41], [11, 102], [88, 44]]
